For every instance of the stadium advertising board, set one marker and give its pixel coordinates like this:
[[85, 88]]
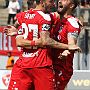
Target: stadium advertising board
[[80, 80], [7, 43]]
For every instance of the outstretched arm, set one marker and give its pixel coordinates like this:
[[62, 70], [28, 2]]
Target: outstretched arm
[[45, 37], [72, 42], [44, 40], [21, 42]]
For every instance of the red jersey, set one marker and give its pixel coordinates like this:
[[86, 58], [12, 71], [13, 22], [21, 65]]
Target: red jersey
[[55, 21], [67, 27], [32, 23]]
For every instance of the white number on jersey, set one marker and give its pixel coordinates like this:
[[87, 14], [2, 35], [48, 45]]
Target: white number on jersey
[[29, 28]]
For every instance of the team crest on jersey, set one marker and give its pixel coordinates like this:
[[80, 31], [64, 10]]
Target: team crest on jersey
[[45, 27], [59, 37], [60, 29]]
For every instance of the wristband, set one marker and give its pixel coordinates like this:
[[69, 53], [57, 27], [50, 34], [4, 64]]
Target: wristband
[[32, 43]]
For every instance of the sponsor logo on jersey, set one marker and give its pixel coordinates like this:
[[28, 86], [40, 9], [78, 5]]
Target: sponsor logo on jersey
[[60, 29], [29, 16], [45, 27]]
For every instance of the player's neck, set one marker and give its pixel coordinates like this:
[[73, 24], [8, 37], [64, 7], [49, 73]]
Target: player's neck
[[67, 14]]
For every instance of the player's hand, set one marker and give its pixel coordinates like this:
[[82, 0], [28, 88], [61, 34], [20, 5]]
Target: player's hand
[[64, 54], [10, 30], [74, 48]]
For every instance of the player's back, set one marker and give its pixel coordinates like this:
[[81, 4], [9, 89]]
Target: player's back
[[33, 22]]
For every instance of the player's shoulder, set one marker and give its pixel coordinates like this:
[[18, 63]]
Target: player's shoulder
[[27, 11], [55, 17], [55, 14], [23, 14], [20, 14], [73, 21], [44, 16]]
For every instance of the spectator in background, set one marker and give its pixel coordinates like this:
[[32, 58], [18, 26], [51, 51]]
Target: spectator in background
[[10, 61], [88, 3], [13, 7], [21, 4], [85, 3], [82, 3], [6, 3]]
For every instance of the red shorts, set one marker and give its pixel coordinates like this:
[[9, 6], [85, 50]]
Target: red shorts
[[61, 78], [25, 79]]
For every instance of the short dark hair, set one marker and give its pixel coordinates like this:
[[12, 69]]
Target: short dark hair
[[30, 3], [38, 1]]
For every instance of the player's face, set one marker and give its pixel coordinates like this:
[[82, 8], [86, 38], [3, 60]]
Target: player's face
[[63, 6], [48, 5]]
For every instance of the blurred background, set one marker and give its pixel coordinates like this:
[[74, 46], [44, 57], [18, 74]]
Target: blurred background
[[9, 52]]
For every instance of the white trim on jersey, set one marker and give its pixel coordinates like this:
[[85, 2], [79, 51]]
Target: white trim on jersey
[[45, 16], [73, 22]]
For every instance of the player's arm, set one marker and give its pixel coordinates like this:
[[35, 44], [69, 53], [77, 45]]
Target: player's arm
[[11, 30], [46, 40], [72, 36], [74, 28], [21, 42], [72, 40]]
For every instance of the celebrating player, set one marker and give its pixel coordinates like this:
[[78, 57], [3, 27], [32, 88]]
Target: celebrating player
[[68, 28], [35, 64]]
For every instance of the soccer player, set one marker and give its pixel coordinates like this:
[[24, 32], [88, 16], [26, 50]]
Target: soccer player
[[68, 28], [34, 66], [35, 61]]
